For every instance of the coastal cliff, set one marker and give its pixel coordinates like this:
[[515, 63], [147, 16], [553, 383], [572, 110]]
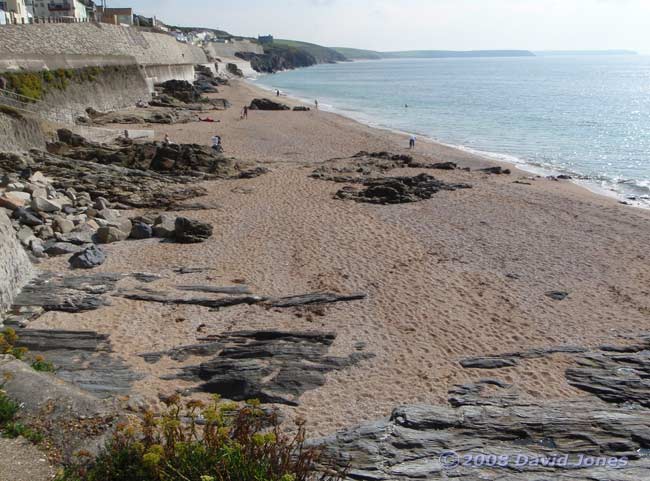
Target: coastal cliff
[[288, 55]]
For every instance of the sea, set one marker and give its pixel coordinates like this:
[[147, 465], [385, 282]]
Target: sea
[[585, 116]]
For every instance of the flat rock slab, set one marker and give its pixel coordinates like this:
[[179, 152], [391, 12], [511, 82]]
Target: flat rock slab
[[615, 377], [73, 294], [511, 359], [272, 366], [230, 290], [230, 299], [82, 358], [409, 444], [315, 298], [166, 298]]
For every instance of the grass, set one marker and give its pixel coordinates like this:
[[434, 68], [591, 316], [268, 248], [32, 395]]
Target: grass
[[232, 444], [35, 85]]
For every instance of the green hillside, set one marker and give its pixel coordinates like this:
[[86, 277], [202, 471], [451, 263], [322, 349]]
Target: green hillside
[[320, 53], [358, 54]]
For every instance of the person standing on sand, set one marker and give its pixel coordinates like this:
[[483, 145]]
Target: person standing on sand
[[216, 144], [277, 93], [412, 142], [316, 104], [244, 112]]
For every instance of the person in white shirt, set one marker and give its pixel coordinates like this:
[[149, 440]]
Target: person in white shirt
[[216, 143], [412, 142]]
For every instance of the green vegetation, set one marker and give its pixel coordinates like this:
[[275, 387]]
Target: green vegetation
[[320, 53], [358, 54], [8, 340], [34, 85], [234, 444], [8, 409], [41, 365], [9, 427]]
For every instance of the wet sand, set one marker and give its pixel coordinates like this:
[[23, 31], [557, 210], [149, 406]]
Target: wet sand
[[462, 274]]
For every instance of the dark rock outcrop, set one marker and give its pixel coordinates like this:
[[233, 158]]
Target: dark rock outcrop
[[436, 442], [366, 165], [266, 104], [181, 90], [190, 231], [83, 358], [127, 186], [272, 366], [87, 259], [398, 190]]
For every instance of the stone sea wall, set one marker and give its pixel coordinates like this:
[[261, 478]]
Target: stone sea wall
[[15, 268], [20, 45], [19, 133], [114, 88], [219, 50]]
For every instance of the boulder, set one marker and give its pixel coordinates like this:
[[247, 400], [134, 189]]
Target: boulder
[[44, 232], [164, 226], [90, 257], [26, 217], [63, 225], [61, 248], [25, 235], [141, 230], [41, 204], [110, 234], [14, 200], [301, 108], [266, 104], [190, 231]]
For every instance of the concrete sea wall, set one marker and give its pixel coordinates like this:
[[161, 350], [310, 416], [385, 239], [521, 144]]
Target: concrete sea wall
[[219, 50], [114, 88], [18, 42], [15, 268], [19, 133]]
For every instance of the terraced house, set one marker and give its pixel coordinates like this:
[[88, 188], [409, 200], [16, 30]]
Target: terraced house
[[14, 11], [72, 10]]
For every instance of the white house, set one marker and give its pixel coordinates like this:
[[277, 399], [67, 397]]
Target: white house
[[66, 9], [14, 11]]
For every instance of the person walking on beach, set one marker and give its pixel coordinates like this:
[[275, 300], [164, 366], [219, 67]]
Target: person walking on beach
[[277, 93], [316, 104], [244, 112], [412, 142]]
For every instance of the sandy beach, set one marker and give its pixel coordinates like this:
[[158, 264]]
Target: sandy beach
[[465, 273]]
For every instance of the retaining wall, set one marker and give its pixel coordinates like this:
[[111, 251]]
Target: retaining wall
[[19, 133], [15, 268], [94, 39], [114, 88], [219, 50]]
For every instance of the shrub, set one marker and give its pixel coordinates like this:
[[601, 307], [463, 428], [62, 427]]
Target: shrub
[[41, 365], [8, 409], [15, 429], [234, 444], [8, 340], [26, 84]]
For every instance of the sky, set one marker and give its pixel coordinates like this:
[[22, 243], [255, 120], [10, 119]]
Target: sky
[[390, 25]]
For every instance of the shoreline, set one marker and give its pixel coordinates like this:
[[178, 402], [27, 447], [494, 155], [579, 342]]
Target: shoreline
[[590, 184]]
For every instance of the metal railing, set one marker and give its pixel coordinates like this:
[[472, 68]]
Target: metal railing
[[20, 102], [37, 107]]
